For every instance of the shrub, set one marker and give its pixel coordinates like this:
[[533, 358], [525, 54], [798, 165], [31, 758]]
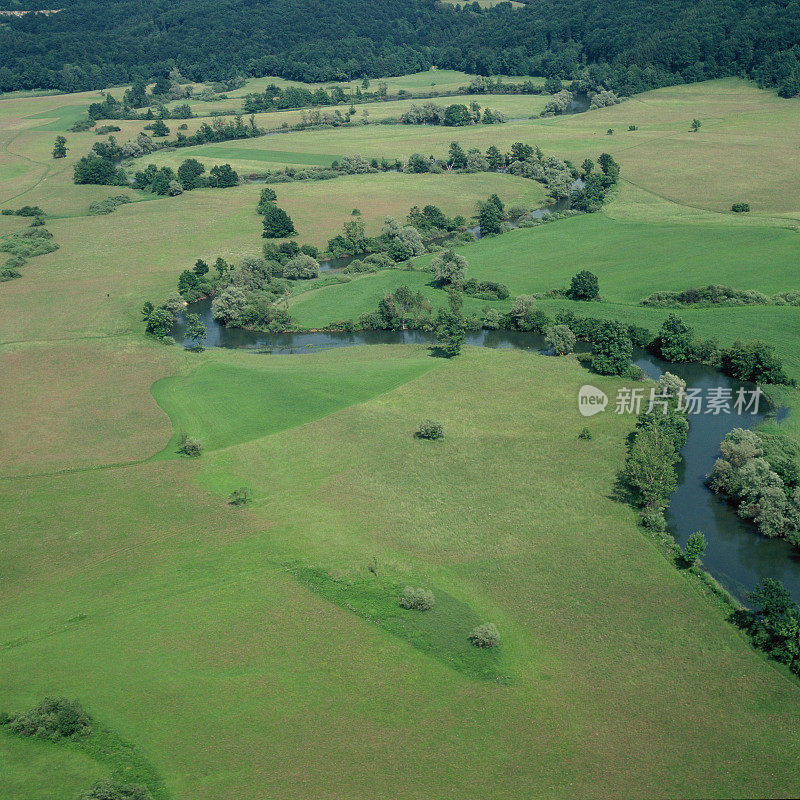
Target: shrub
[[239, 497], [560, 339], [654, 521], [112, 790], [429, 429], [416, 599], [585, 434], [740, 208], [108, 205], [695, 547], [190, 446], [485, 635], [54, 718], [584, 286]]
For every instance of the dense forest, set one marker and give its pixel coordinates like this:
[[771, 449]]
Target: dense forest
[[627, 45]]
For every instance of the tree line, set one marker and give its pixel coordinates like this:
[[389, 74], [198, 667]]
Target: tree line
[[625, 45]]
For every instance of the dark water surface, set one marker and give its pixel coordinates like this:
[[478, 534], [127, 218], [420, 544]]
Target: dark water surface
[[737, 555]]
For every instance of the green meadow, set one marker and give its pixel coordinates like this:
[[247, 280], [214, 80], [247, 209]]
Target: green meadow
[[260, 651]]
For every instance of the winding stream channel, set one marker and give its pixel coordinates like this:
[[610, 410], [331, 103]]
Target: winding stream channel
[[737, 556]]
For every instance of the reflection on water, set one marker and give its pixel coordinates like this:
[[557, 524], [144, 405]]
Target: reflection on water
[[737, 555]]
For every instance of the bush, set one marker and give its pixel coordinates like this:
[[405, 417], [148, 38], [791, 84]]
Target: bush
[[112, 790], [560, 339], [190, 446], [740, 208], [416, 599], [54, 718], [109, 205], [239, 497], [429, 429], [485, 635], [585, 434]]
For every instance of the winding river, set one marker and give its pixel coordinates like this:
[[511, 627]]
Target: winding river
[[737, 556]]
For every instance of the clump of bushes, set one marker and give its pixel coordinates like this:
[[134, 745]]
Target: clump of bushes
[[486, 290], [417, 599], [189, 446], [112, 790], [430, 429], [717, 295], [740, 208], [759, 473], [109, 205], [239, 497], [29, 242], [25, 211], [485, 635], [55, 718]]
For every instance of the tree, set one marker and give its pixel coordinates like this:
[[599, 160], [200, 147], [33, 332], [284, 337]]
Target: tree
[[147, 310], [695, 548], [494, 157], [301, 267], [97, 170], [485, 635], [584, 286], [222, 176], [696, 125], [675, 340], [457, 115], [612, 349], [160, 322], [195, 330], [159, 128], [587, 166], [60, 147], [268, 196], [189, 173], [277, 223], [456, 157], [450, 331], [200, 268], [650, 468], [449, 267], [490, 220], [560, 339]]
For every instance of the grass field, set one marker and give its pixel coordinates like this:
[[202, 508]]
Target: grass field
[[159, 589], [247, 650]]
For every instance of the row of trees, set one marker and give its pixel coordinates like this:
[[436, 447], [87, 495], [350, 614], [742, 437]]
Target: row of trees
[[454, 115]]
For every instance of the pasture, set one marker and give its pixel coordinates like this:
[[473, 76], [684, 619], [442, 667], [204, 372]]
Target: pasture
[[247, 650]]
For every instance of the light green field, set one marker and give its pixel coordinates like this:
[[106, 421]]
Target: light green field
[[245, 651], [34, 770]]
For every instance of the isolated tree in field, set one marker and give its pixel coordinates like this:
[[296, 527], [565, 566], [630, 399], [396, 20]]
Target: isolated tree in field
[[60, 147], [696, 125], [159, 128], [449, 268], [560, 339], [189, 173], [277, 223], [195, 330], [695, 548], [584, 286], [485, 635]]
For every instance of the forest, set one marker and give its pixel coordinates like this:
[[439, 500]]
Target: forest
[[627, 46]]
